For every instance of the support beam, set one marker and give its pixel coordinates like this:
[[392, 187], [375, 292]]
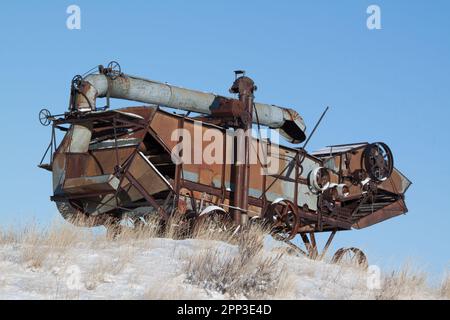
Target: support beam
[[327, 245], [147, 196]]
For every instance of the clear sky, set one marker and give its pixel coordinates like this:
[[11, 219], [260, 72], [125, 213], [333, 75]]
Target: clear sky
[[390, 85]]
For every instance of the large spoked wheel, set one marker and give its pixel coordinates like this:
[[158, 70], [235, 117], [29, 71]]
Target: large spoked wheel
[[284, 218], [378, 161], [351, 257], [77, 217]]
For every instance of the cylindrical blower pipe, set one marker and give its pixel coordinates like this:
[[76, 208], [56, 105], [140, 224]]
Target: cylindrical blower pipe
[[288, 121]]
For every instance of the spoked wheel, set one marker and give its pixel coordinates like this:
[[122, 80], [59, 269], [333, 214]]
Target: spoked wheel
[[285, 219], [114, 70], [45, 117], [76, 82], [378, 161], [351, 257]]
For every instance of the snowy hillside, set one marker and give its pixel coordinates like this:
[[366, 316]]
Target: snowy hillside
[[66, 263]]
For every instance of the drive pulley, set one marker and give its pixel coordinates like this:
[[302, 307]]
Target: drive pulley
[[378, 161]]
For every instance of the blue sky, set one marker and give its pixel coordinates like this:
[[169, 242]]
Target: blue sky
[[390, 85]]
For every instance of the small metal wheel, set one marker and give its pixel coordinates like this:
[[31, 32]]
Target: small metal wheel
[[351, 257], [378, 161], [114, 70], [284, 217], [76, 82], [45, 117]]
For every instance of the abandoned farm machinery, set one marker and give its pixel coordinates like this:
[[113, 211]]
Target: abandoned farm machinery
[[138, 162]]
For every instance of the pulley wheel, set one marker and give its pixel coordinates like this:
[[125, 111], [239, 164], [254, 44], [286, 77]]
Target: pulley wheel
[[114, 70], [45, 117], [378, 161]]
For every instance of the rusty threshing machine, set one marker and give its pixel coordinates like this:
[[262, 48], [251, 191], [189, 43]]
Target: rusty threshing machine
[[138, 162]]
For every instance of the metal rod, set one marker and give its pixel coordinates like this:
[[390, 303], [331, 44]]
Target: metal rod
[[315, 127], [146, 195], [327, 245]]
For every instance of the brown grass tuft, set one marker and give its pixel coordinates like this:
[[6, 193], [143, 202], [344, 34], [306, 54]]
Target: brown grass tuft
[[403, 284], [249, 273], [37, 244], [445, 287]]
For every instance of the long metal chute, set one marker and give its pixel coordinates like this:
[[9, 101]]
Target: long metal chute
[[288, 121]]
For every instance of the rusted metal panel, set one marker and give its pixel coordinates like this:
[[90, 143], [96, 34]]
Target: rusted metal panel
[[163, 123], [111, 143], [397, 183], [392, 210], [76, 164], [147, 175], [103, 184]]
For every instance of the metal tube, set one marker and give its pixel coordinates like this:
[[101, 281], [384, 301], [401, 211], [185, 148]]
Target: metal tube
[[126, 87], [246, 87]]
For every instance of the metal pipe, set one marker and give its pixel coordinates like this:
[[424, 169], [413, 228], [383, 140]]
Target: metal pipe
[[238, 183], [245, 87], [288, 121]]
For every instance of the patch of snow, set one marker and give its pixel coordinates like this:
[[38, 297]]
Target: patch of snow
[[153, 269]]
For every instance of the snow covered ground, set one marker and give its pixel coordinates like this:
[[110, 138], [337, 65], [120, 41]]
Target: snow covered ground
[[67, 265]]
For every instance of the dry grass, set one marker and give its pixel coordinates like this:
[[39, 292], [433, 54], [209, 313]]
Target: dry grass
[[241, 269], [214, 229], [445, 287], [249, 273], [38, 244], [405, 283], [169, 290], [133, 235], [176, 228], [9, 236], [100, 272], [51, 245]]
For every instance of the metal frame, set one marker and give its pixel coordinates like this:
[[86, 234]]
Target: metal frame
[[229, 113]]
